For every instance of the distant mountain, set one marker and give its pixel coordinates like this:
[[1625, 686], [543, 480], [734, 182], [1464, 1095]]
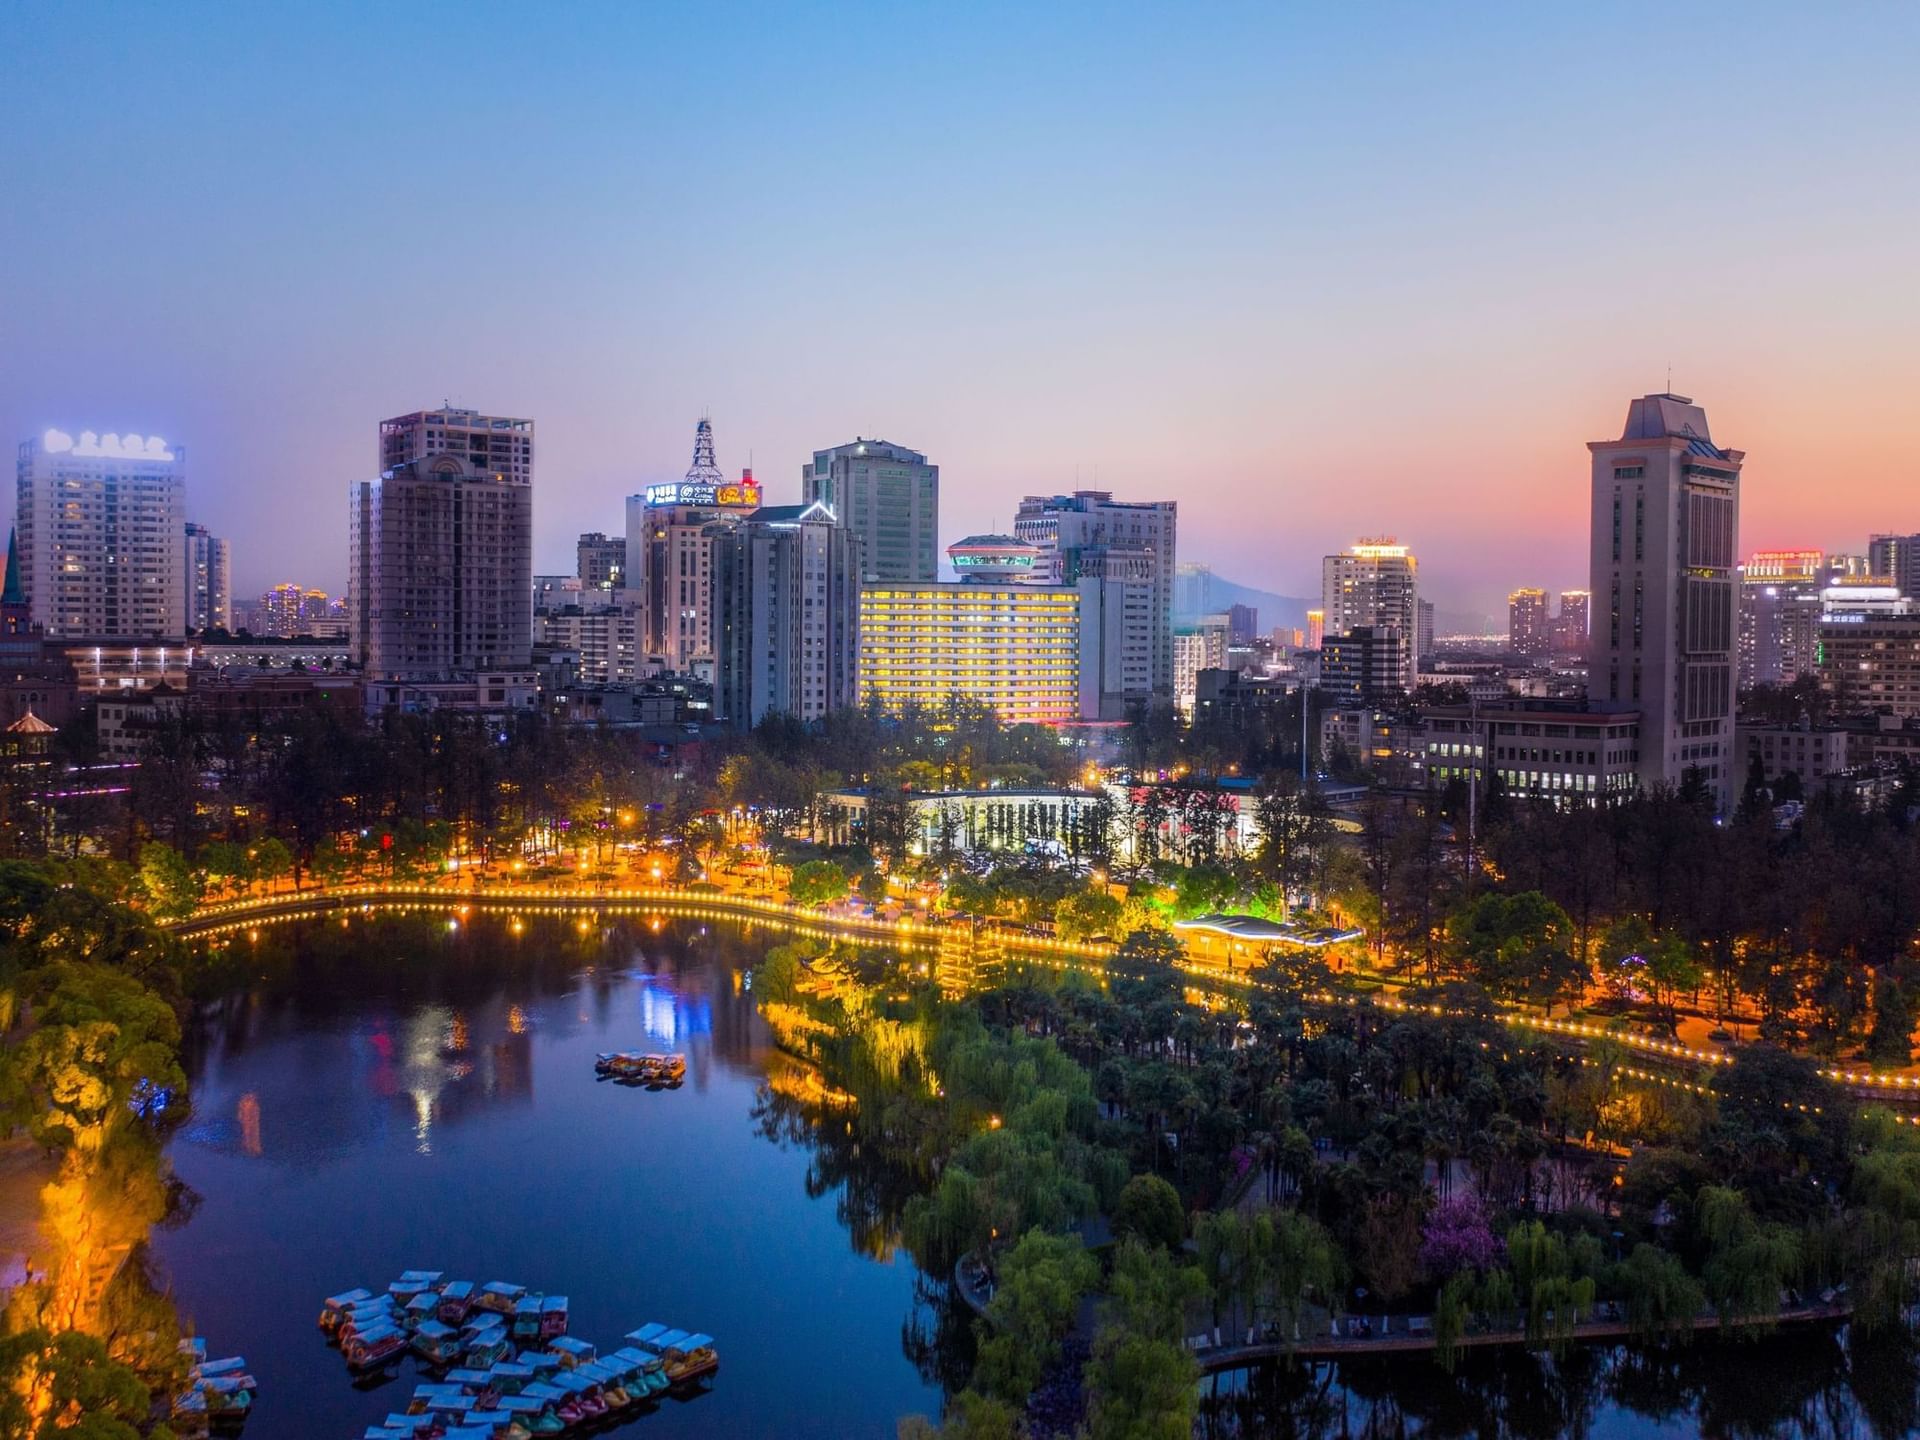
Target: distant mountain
[[1208, 594]]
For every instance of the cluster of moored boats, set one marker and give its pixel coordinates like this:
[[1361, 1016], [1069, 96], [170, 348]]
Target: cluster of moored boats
[[510, 1369], [219, 1392], [633, 1067]]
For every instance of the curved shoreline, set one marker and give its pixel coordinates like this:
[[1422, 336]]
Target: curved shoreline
[[229, 916]]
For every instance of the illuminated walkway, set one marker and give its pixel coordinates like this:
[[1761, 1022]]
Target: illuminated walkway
[[244, 916]]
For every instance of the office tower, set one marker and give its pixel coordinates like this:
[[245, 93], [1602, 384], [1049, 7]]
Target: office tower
[[1422, 630], [1666, 519], [602, 562], [1364, 665], [209, 594], [889, 496], [994, 638], [1192, 591], [440, 579], [1527, 630], [102, 527], [671, 529], [1569, 629], [1243, 621], [787, 604], [1780, 616], [1089, 533], [1316, 628], [1375, 584], [1897, 557]]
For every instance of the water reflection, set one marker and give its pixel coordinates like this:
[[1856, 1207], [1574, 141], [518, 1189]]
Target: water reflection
[[398, 1094], [1806, 1385]]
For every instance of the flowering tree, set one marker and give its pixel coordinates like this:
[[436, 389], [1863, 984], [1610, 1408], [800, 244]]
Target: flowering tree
[[1456, 1237]]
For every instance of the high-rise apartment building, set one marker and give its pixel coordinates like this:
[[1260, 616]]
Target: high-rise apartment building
[[671, 531], [490, 444], [1870, 663], [1363, 665], [1375, 584], [1666, 520], [889, 496], [601, 562], [209, 571], [1422, 631], [440, 574], [1780, 616], [102, 527], [1527, 624], [1316, 629], [1897, 557], [1189, 659], [1569, 628], [1130, 543], [787, 606]]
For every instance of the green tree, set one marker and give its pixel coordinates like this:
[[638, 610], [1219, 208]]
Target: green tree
[[1041, 1281], [817, 882], [80, 1392], [1517, 946], [172, 887], [1142, 1382], [1150, 1212]]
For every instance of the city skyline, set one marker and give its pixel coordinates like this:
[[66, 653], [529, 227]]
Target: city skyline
[[1214, 298]]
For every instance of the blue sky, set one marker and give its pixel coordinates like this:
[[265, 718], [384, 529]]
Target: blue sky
[[1313, 271]]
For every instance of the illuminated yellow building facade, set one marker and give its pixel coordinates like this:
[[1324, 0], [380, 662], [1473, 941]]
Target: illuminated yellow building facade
[[1014, 647]]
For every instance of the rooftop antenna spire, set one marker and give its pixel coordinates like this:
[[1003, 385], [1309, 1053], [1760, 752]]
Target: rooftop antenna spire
[[705, 470]]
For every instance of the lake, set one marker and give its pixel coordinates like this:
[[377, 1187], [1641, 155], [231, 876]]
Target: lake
[[398, 1094]]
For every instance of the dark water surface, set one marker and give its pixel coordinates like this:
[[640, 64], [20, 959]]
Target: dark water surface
[[398, 1094]]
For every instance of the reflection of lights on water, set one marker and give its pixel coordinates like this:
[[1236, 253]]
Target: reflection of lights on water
[[247, 1112], [453, 922], [659, 1014], [423, 1122], [457, 1032], [516, 1020], [517, 925]]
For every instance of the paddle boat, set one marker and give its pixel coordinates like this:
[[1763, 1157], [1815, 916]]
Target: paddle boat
[[572, 1351], [371, 1347], [526, 1317], [372, 1316], [510, 1377], [499, 1297], [456, 1302], [335, 1307], [536, 1414], [437, 1344], [553, 1316], [424, 1393], [663, 1069], [648, 1373]]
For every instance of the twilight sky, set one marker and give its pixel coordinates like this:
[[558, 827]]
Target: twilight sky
[[1312, 270]]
